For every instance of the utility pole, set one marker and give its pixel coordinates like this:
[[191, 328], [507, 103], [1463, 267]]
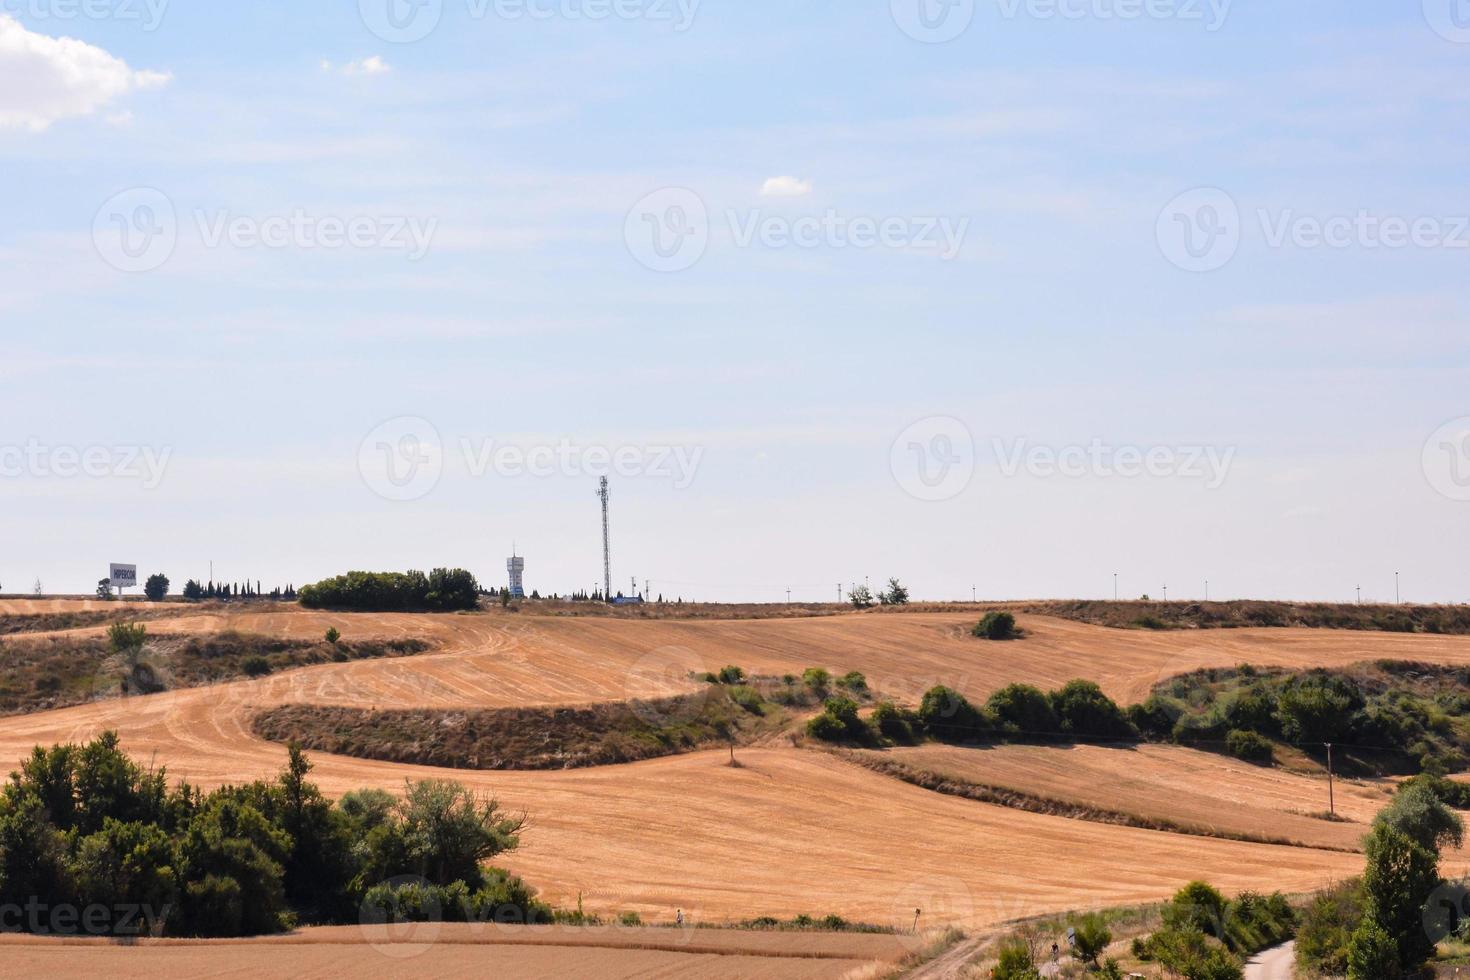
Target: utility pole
[[1360, 595], [1396, 600], [974, 594], [1331, 802], [1115, 586], [839, 593], [1207, 590], [788, 597], [1166, 593]]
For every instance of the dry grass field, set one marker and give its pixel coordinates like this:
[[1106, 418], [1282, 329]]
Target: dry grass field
[[791, 830], [454, 950]]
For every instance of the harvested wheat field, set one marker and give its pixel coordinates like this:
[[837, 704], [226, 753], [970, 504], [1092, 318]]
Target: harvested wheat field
[[1201, 792], [456, 950], [792, 830]]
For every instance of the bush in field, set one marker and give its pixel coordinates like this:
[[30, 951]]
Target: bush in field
[[732, 675], [996, 626], [855, 682], [1372, 954], [1022, 709], [1248, 746], [255, 666], [1016, 963], [333, 635], [122, 637], [1082, 709], [1092, 936], [817, 680], [893, 722], [442, 590], [838, 722], [948, 715], [1327, 929]]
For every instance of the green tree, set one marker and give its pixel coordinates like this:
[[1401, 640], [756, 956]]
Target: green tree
[[860, 596], [895, 594], [1399, 878], [156, 588], [1372, 954], [1092, 936]]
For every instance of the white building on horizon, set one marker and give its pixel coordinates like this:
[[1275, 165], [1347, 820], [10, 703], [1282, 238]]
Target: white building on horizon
[[516, 567]]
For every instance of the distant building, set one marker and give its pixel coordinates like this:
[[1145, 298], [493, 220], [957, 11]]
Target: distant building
[[516, 567]]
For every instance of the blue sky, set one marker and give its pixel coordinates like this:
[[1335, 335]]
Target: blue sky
[[805, 379]]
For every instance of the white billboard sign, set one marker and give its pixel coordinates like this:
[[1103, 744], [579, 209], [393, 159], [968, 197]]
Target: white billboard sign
[[123, 576]]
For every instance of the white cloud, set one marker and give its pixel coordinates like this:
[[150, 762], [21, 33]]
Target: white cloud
[[45, 79], [786, 187], [372, 65]]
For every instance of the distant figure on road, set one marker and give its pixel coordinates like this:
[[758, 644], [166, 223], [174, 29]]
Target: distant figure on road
[[679, 917]]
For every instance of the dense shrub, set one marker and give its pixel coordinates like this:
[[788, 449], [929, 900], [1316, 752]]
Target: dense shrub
[[442, 590], [86, 824], [1022, 709], [996, 626], [1248, 746], [156, 588], [1083, 710], [731, 675], [947, 715], [839, 722], [1092, 937], [894, 723], [255, 666], [1327, 929]]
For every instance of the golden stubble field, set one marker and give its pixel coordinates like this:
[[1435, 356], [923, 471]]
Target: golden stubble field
[[791, 830]]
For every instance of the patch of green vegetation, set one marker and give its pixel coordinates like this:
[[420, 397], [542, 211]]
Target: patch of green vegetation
[[996, 625], [532, 738], [1417, 714]]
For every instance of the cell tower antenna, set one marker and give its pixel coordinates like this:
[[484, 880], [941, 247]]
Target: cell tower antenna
[[603, 493]]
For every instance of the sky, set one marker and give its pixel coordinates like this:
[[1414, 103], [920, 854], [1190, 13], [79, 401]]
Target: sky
[[1000, 297]]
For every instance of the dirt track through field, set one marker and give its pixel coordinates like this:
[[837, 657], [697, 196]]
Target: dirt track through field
[[791, 832]]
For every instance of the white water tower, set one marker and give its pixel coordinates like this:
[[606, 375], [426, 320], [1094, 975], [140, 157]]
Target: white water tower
[[516, 567]]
